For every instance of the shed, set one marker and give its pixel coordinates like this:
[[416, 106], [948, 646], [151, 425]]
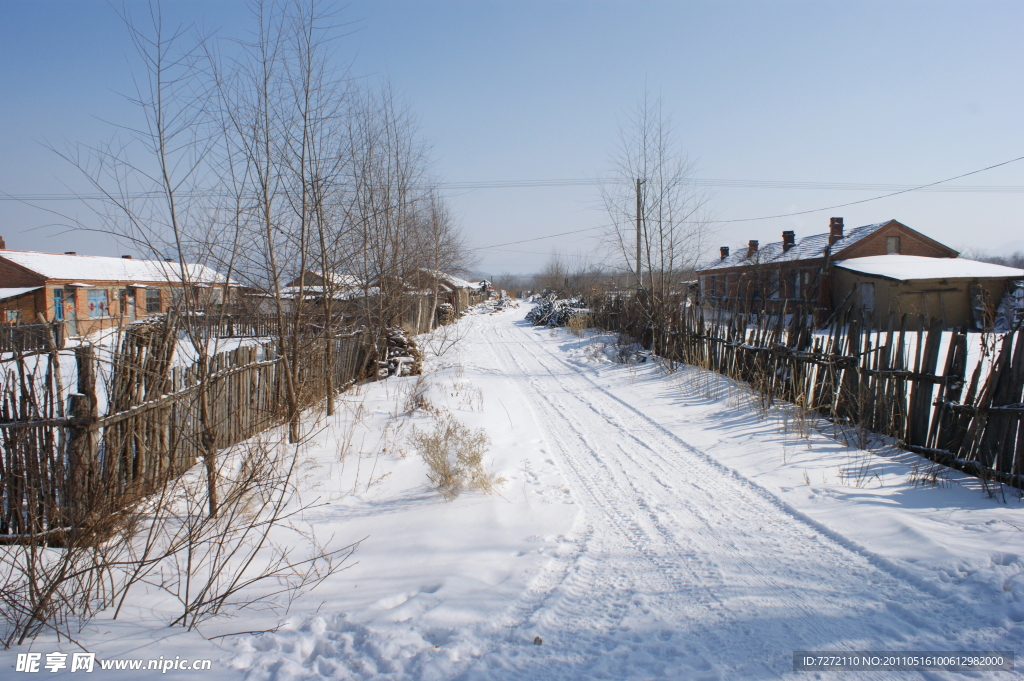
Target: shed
[[956, 291]]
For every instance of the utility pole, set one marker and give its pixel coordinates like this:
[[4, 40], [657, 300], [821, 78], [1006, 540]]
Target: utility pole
[[639, 214]]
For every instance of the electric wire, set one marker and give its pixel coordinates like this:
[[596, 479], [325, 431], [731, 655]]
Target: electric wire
[[909, 188]]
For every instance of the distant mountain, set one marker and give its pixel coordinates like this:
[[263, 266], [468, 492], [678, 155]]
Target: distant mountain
[[1015, 246]]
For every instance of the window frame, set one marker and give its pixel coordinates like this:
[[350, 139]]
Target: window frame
[[153, 294], [103, 308], [58, 304]]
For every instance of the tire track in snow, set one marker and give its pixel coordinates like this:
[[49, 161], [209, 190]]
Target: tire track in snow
[[654, 504]]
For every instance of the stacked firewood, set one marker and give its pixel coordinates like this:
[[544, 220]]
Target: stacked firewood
[[552, 312], [445, 313], [403, 356]]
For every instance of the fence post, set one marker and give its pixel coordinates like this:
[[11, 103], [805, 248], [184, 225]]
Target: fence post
[[82, 463]]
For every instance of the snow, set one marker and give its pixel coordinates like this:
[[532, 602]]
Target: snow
[[292, 292], [100, 268], [652, 524], [450, 279], [6, 293], [913, 267], [340, 279]]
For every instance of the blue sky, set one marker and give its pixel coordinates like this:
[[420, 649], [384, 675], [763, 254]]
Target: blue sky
[[894, 93]]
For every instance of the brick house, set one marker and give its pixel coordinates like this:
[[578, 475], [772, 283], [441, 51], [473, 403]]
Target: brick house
[[90, 293], [797, 274]]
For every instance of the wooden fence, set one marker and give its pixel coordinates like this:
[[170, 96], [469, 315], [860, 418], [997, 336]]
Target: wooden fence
[[28, 337], [124, 435], [236, 326], [908, 379]]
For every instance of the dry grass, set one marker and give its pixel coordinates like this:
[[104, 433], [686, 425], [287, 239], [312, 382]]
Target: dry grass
[[454, 457], [416, 397], [933, 475], [578, 324]]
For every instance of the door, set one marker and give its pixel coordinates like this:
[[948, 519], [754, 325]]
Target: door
[[867, 296], [70, 312], [128, 304]]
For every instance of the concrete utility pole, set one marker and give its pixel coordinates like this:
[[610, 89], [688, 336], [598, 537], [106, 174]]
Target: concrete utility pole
[[639, 214]]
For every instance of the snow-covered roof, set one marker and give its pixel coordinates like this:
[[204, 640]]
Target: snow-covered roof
[[807, 248], [450, 279], [319, 291], [338, 279], [910, 267], [6, 293], [459, 282], [103, 268]]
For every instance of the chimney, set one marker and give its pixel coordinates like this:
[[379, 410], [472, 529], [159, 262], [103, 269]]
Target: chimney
[[168, 259], [70, 253], [724, 250], [788, 240], [3, 244], [751, 248], [835, 230], [126, 257]]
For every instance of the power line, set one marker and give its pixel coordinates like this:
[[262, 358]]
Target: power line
[[785, 215], [598, 181], [746, 184], [875, 198], [549, 236]]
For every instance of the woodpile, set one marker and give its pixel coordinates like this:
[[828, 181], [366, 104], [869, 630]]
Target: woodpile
[[402, 356], [554, 312]]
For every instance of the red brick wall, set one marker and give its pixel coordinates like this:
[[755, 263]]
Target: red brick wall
[[910, 244], [15, 277]]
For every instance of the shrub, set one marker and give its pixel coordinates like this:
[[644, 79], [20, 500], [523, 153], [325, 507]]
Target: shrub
[[454, 457]]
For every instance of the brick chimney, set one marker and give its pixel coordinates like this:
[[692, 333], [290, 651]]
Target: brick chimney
[[835, 230], [788, 240], [3, 244], [724, 250], [126, 257], [751, 248], [70, 252]]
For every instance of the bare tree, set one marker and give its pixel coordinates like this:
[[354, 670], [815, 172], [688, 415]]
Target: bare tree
[[659, 218], [673, 211], [554, 275]]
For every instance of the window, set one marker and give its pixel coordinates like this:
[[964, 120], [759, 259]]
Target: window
[[10, 316], [892, 245], [98, 302], [152, 301], [58, 304]]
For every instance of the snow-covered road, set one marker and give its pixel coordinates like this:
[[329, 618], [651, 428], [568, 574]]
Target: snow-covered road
[[684, 569]]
